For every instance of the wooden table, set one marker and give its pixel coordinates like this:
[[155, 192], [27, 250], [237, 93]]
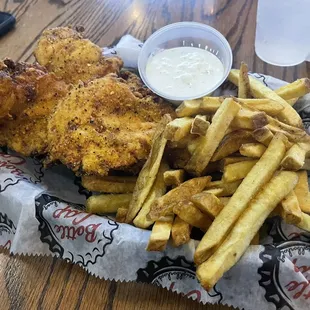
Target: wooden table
[[46, 283]]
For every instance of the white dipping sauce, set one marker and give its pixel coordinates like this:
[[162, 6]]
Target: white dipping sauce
[[184, 71]]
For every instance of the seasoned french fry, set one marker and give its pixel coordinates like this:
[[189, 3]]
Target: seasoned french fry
[[244, 90], [255, 240], [263, 135], [305, 222], [237, 171], [253, 150], [121, 215], [160, 234], [187, 211], [165, 204], [174, 177], [298, 88], [231, 143], [215, 134], [109, 203], [288, 115], [227, 189], [260, 174], [158, 189], [207, 203], [200, 125], [268, 106], [247, 119], [294, 158], [180, 232], [149, 171], [302, 191], [178, 129], [249, 223], [290, 210], [188, 108], [109, 184]]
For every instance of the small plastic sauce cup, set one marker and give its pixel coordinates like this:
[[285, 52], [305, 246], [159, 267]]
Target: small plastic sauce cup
[[186, 34]]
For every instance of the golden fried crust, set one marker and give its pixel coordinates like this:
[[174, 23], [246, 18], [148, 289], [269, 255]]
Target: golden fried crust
[[26, 132], [17, 86], [103, 126], [72, 58]]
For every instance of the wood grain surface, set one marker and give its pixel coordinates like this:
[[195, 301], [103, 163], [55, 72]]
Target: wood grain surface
[[46, 283]]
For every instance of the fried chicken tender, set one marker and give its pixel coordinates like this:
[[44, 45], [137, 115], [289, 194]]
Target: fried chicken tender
[[34, 95], [103, 126], [17, 86], [65, 52]]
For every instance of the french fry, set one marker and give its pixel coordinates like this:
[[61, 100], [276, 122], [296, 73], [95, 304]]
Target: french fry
[[158, 189], [268, 106], [237, 171], [165, 204], [302, 191], [253, 150], [215, 191], [292, 133], [207, 203], [305, 222], [178, 129], [200, 125], [227, 189], [263, 135], [180, 232], [298, 88], [174, 177], [224, 200], [194, 143], [209, 105], [149, 171], [220, 122], [260, 174], [188, 108], [294, 158], [247, 119], [244, 90], [249, 223], [288, 115], [231, 143], [184, 143], [255, 240], [121, 215], [187, 211], [290, 210], [109, 184], [231, 160], [160, 234], [109, 203]]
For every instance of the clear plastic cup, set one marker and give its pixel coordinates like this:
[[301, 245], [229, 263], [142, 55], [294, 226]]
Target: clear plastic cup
[[282, 32], [186, 34]]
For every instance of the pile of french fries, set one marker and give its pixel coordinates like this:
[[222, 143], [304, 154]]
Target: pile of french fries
[[256, 146]]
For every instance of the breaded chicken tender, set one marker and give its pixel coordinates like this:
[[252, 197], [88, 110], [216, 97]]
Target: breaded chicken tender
[[65, 52], [103, 126]]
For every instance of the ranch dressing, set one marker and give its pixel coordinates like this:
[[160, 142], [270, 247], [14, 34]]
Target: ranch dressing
[[184, 71]]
